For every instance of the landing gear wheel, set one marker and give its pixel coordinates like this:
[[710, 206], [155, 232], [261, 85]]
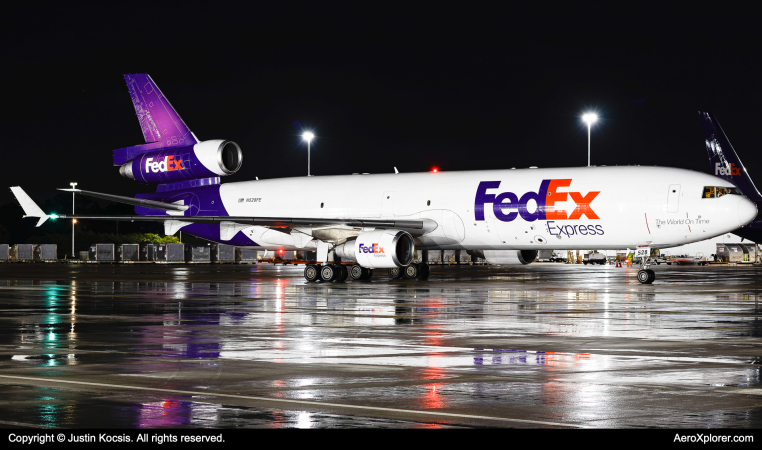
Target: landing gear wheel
[[367, 274], [410, 272], [395, 273], [328, 273], [356, 272], [423, 271], [311, 273], [646, 276], [341, 272]]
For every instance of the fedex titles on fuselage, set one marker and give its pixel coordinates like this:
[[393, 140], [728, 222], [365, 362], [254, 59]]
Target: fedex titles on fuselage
[[166, 164], [507, 206]]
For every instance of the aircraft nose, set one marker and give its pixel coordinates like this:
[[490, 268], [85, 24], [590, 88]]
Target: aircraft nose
[[747, 211]]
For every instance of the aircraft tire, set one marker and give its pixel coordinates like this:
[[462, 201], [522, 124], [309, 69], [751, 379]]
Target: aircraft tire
[[367, 273], [646, 276], [328, 273], [410, 272], [341, 272], [311, 273], [423, 271], [395, 273], [356, 272]]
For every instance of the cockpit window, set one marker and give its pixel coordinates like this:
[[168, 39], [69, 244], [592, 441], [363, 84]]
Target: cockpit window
[[719, 191]]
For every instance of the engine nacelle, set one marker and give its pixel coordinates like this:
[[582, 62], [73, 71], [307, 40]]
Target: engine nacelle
[[379, 249], [506, 257], [203, 160]]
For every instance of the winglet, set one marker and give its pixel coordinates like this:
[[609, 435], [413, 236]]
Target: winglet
[[30, 207]]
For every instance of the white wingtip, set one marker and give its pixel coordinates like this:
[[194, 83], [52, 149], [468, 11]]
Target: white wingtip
[[28, 205]]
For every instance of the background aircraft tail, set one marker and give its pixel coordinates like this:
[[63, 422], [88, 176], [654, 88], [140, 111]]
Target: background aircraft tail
[[724, 160]]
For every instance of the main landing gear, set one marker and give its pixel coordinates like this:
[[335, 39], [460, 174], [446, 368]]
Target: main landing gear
[[340, 272], [334, 272], [410, 272], [646, 275]]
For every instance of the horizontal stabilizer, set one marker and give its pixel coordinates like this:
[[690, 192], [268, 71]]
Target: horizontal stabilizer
[[28, 205], [130, 200]]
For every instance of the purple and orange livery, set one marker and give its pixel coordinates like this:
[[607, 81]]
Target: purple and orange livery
[[507, 206]]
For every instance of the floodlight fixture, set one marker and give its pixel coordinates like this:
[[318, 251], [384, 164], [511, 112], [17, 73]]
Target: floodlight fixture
[[308, 136], [589, 118]]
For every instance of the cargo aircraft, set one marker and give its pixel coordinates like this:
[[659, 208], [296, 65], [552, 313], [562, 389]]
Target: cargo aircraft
[[727, 165], [377, 221]]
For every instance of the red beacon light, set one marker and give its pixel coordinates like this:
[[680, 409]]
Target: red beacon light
[[435, 169]]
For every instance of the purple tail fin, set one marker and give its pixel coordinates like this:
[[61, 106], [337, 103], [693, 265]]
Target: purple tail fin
[[158, 119]]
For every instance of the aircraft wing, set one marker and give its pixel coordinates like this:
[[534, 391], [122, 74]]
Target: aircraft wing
[[32, 210], [130, 200], [277, 222]]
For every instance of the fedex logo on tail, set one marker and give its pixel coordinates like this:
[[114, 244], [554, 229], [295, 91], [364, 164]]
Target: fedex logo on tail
[[732, 170], [507, 206], [166, 164], [373, 248]]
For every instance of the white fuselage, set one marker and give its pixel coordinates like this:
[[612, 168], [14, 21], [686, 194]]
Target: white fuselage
[[656, 206]]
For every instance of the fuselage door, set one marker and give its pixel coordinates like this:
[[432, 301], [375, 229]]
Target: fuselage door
[[673, 198]]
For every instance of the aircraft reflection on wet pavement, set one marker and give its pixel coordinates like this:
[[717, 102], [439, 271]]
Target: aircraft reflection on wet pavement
[[488, 347]]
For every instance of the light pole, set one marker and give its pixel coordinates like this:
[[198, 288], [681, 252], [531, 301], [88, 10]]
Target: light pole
[[73, 221], [308, 136], [589, 119]]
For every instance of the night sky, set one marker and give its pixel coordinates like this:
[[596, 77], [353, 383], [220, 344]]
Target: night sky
[[458, 88]]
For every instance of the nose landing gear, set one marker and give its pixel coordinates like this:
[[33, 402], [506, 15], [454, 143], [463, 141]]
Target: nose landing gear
[[646, 275]]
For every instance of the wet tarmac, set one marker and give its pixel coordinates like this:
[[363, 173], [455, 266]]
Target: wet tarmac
[[544, 345]]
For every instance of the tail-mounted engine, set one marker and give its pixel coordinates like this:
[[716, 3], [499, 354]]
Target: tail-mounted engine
[[206, 159], [379, 249]]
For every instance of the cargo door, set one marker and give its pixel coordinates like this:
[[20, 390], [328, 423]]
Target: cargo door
[[673, 198]]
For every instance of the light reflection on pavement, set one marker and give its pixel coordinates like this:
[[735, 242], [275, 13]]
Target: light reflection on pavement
[[532, 346]]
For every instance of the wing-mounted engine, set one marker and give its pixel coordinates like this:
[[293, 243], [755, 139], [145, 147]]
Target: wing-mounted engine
[[506, 257], [203, 160], [379, 249]]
